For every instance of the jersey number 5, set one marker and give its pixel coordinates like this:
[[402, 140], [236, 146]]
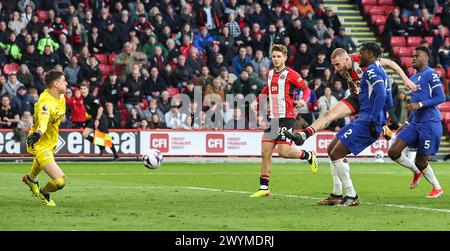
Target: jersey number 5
[[426, 144]]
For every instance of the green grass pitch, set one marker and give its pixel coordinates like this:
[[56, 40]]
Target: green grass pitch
[[127, 196]]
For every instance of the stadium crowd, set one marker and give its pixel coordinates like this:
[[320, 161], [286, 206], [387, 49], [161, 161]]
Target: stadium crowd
[[137, 56]]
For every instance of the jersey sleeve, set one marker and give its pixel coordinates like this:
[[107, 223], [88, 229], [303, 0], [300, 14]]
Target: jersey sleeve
[[437, 92], [377, 92], [43, 111]]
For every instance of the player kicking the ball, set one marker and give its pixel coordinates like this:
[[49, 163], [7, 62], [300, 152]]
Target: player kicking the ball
[[350, 68], [43, 138], [424, 129], [375, 100], [281, 84]]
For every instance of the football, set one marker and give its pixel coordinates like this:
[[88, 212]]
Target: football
[[152, 159]]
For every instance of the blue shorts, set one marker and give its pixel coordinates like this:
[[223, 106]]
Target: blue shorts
[[356, 136], [426, 137]]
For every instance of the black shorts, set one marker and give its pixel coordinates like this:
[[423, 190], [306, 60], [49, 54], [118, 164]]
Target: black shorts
[[273, 132], [102, 126], [352, 101]]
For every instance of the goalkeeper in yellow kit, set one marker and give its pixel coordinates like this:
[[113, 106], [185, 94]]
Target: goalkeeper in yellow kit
[[43, 137]]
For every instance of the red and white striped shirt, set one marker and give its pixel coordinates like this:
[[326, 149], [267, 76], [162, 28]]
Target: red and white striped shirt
[[280, 89], [354, 74]]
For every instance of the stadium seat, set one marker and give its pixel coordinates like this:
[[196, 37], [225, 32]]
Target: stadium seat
[[388, 9], [444, 107], [42, 15], [441, 71], [386, 2], [406, 61], [378, 19], [413, 40], [398, 41], [405, 51], [172, 91], [10, 68], [112, 58], [429, 39], [369, 2], [411, 71], [102, 59], [396, 49], [381, 28], [118, 70], [106, 69], [439, 9], [436, 20], [376, 10], [446, 117], [103, 79], [436, 31]]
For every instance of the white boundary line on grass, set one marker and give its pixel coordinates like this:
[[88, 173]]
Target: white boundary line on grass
[[245, 192]]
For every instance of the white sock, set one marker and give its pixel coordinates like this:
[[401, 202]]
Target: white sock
[[337, 184], [343, 171], [406, 162], [429, 175]]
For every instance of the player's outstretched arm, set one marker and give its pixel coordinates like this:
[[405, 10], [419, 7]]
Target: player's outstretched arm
[[394, 66]]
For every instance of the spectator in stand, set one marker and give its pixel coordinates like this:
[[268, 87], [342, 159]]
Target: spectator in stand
[[25, 124], [399, 113], [109, 91], [319, 66], [156, 123], [46, 40], [9, 117], [172, 18], [164, 102], [149, 48], [113, 116], [39, 82], [214, 93], [27, 14], [133, 120], [226, 42], [445, 16], [127, 58], [174, 118], [66, 55], [226, 79], [49, 59], [425, 23], [412, 27], [233, 26], [344, 41], [328, 78], [328, 47], [23, 102], [183, 72], [24, 76], [195, 61], [245, 38], [204, 79], [90, 72], [245, 85], [270, 38], [132, 91], [203, 40], [238, 121], [77, 108], [30, 57], [111, 38], [326, 102], [314, 45], [208, 15], [71, 72], [321, 31], [217, 65], [239, 61], [304, 57], [443, 59], [17, 23], [438, 40], [394, 26], [319, 88], [173, 51], [304, 6], [57, 28], [331, 21], [260, 61], [410, 7], [144, 125], [154, 85], [77, 34], [11, 87], [151, 110], [338, 90], [12, 47]]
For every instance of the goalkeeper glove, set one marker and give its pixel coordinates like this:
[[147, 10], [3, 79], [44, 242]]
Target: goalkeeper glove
[[33, 138]]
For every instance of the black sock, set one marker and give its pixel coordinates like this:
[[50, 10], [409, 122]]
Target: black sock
[[90, 139], [306, 155], [264, 182], [113, 149]]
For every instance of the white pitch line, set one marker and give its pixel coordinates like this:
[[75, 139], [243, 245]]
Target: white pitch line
[[245, 192]]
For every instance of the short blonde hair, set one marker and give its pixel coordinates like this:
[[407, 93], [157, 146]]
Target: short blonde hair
[[281, 48]]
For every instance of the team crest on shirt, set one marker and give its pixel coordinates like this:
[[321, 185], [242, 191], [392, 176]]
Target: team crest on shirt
[[282, 77], [359, 71], [44, 108], [47, 154]]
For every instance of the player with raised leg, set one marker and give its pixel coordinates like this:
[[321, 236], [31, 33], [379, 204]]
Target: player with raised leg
[[281, 84], [424, 130], [350, 68], [375, 100], [43, 138]]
